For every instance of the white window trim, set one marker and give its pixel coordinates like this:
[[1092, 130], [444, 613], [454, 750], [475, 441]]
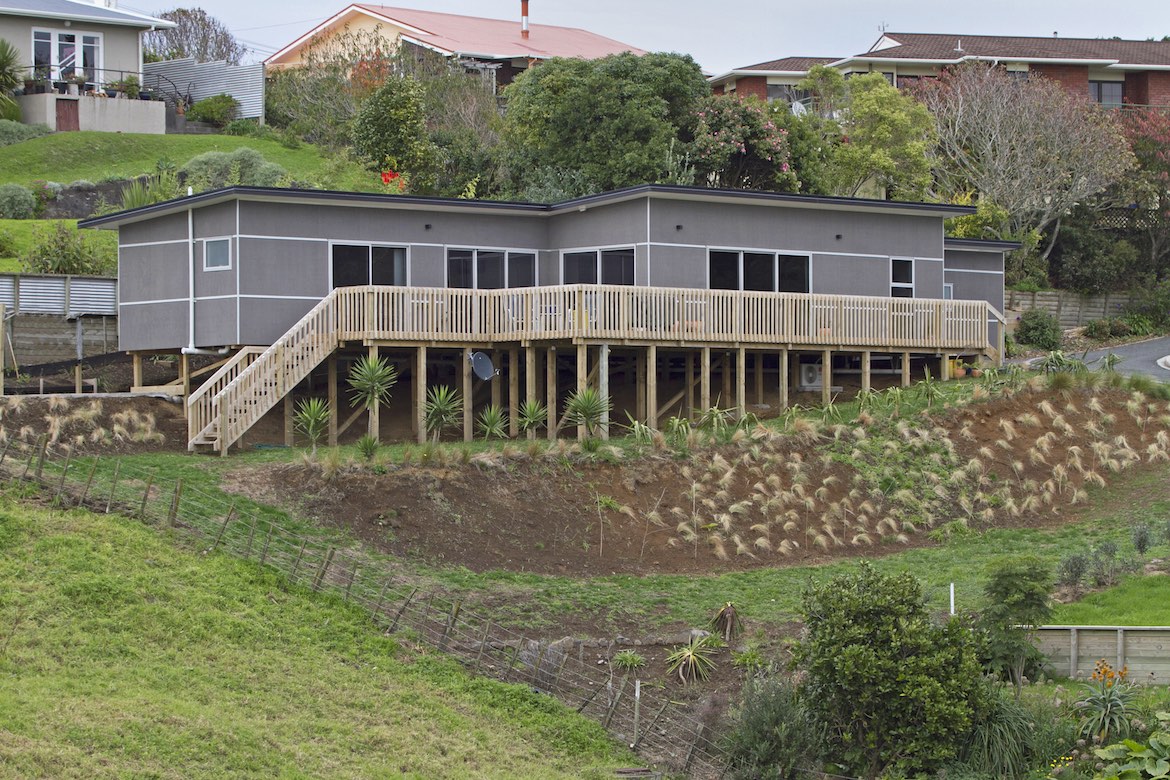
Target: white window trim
[[597, 250], [475, 250], [948, 291], [230, 253], [370, 260], [903, 285], [775, 253], [55, 67]]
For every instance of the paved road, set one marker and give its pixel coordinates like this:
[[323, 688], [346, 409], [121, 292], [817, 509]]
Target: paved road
[[1140, 358]]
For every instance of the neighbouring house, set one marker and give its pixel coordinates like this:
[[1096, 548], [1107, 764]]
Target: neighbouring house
[[1109, 71], [77, 54], [499, 47], [651, 294]]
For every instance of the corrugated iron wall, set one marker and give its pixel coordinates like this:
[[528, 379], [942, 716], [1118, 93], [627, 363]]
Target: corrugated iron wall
[[62, 295], [205, 79]]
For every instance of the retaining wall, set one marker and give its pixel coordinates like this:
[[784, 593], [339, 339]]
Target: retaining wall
[[1071, 309], [1073, 650]]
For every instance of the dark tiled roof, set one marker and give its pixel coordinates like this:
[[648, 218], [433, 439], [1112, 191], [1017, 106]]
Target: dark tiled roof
[[78, 10], [935, 46], [795, 64]]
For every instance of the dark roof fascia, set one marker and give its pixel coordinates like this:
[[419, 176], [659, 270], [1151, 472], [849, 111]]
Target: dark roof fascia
[[679, 192], [375, 200], [980, 244], [277, 195]]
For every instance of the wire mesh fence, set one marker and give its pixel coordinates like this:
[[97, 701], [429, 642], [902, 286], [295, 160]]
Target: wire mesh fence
[[644, 717]]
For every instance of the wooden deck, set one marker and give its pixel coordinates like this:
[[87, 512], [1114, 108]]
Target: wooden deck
[[246, 388]]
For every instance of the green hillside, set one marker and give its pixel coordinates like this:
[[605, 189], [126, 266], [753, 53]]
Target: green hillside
[[67, 157], [21, 233], [123, 656]]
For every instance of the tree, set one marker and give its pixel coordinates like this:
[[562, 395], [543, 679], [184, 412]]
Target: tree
[[319, 99], [738, 145], [1025, 144], [894, 692], [196, 34], [1017, 601], [372, 378], [1147, 188], [876, 136], [615, 121], [390, 134], [11, 75]]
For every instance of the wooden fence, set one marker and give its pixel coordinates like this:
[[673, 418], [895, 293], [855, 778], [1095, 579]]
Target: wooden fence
[[1073, 650], [659, 730], [1070, 309]]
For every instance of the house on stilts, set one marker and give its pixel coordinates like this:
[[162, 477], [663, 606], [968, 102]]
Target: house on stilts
[[669, 299]]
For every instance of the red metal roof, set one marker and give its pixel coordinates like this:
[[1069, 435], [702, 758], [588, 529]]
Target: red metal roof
[[498, 38]]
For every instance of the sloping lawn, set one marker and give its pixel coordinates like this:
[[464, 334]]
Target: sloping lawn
[[1137, 601], [124, 656], [23, 233], [67, 157]]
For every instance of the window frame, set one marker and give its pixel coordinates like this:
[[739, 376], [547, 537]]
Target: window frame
[[508, 253], [904, 285], [741, 267], [598, 265], [1095, 95], [369, 247], [215, 240], [56, 73]]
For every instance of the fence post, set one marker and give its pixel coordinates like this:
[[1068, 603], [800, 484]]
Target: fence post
[[691, 751], [1073, 651], [41, 458], [297, 564], [613, 705], [223, 528], [353, 573], [267, 540], [319, 577], [394, 625], [173, 514], [251, 536], [637, 709], [482, 643], [381, 598], [145, 496], [113, 485], [451, 618], [88, 481], [64, 473], [4, 454]]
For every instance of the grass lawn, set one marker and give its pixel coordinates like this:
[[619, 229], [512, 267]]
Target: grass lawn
[[122, 655], [67, 157], [1137, 601], [23, 233]]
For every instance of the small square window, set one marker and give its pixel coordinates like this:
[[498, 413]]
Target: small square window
[[217, 254]]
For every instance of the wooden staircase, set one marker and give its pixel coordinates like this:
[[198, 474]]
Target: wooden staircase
[[257, 378]]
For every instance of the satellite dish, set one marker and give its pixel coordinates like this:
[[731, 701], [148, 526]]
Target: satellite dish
[[481, 366]]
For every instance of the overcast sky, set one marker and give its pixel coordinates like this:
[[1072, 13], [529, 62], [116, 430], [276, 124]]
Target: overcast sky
[[722, 36]]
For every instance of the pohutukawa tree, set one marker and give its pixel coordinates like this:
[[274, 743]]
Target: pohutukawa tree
[[1027, 145]]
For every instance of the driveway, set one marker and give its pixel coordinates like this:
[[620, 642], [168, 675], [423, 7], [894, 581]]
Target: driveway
[[1139, 358]]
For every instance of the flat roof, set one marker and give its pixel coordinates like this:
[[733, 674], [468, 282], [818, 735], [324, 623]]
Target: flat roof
[[421, 203]]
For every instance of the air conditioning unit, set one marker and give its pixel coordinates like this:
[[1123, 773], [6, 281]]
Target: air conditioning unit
[[811, 376]]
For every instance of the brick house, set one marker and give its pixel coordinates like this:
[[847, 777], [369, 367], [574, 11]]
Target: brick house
[[1111, 72]]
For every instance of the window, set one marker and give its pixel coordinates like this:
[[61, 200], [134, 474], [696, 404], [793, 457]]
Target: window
[[521, 269], [617, 266], [356, 265], [788, 93], [724, 270], [901, 277], [1107, 93], [217, 254], [757, 271], [60, 54], [948, 291], [794, 274], [490, 269]]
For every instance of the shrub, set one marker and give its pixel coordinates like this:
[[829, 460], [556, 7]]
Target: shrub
[[17, 202], [367, 447], [628, 660], [1071, 570], [14, 132], [390, 133], [1039, 329], [1153, 302], [59, 248], [312, 419], [244, 166], [1106, 703], [443, 409], [492, 423], [892, 706], [7, 244], [772, 733], [1143, 538], [217, 110], [692, 662]]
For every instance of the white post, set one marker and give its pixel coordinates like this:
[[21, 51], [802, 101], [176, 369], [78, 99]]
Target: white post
[[952, 599]]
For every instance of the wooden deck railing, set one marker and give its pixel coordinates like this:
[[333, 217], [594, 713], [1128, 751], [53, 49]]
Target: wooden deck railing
[[200, 404], [239, 397]]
